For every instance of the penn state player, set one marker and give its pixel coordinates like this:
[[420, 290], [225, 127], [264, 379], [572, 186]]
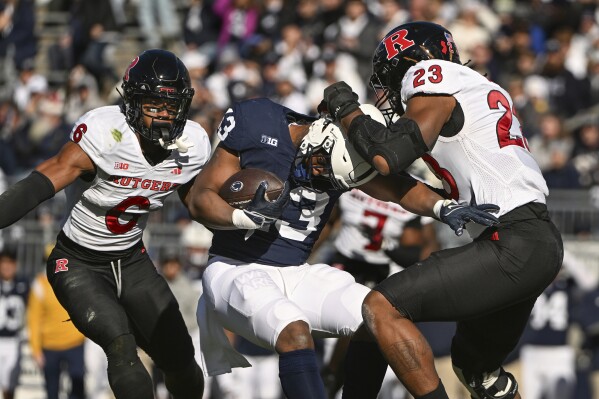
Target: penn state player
[[14, 292], [257, 283], [464, 127], [547, 358], [120, 164]]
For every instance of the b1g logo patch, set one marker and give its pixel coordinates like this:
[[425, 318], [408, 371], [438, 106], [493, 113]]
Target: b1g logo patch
[[269, 140], [61, 265]]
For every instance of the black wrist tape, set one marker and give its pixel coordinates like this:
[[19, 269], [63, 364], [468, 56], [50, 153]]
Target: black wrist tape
[[345, 109], [24, 196]]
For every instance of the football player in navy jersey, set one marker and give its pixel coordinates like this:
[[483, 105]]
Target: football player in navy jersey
[[13, 303], [257, 283], [120, 164], [464, 127]]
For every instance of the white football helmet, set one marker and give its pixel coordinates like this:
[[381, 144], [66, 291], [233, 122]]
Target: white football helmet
[[326, 149]]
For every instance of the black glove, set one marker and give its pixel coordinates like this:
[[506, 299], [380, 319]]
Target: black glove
[[339, 100], [265, 212], [457, 215]]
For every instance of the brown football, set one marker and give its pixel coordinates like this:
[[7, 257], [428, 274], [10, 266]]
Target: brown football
[[239, 189]]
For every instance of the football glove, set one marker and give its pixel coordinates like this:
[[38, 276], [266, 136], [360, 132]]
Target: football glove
[[339, 100], [264, 212], [456, 215]]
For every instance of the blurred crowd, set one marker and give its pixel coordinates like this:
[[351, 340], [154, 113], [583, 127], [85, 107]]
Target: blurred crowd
[[546, 53]]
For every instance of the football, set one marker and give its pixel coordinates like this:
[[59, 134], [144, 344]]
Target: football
[[239, 189]]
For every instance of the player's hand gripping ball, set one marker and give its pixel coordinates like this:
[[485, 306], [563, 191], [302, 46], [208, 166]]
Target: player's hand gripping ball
[[260, 195], [239, 189]]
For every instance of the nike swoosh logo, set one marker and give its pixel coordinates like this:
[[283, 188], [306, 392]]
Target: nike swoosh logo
[[452, 208]]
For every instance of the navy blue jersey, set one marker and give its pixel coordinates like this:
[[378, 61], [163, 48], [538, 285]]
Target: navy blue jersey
[[258, 130], [13, 304], [550, 319]]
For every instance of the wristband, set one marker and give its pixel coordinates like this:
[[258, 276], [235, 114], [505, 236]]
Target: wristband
[[243, 221], [438, 205]]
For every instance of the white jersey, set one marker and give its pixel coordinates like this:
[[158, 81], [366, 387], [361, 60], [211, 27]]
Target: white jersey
[[110, 212], [487, 161], [369, 226]]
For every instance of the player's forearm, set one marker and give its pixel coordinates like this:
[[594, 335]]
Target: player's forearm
[[420, 200], [389, 149], [23, 197], [209, 209], [403, 189]]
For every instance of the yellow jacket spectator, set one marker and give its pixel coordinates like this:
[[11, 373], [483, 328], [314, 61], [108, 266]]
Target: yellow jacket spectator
[[53, 338]]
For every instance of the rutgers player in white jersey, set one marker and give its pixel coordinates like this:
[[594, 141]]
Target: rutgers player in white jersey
[[121, 164], [376, 232], [464, 127]]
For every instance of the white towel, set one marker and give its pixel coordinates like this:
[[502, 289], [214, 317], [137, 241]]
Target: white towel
[[218, 355]]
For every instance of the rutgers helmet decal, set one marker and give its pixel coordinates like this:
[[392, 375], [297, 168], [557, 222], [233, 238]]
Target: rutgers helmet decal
[[167, 89], [133, 63], [398, 38], [449, 44]]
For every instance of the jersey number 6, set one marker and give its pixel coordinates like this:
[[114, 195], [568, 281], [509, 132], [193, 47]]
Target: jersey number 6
[[114, 225]]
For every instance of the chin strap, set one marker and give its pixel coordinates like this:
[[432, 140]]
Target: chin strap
[[181, 144]]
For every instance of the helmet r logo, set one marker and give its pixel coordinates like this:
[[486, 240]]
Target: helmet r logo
[[133, 63], [397, 39]]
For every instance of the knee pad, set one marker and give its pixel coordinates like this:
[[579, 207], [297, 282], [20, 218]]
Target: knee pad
[[496, 385], [122, 349], [345, 304], [127, 376], [187, 383]]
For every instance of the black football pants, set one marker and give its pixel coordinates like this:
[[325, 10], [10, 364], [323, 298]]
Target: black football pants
[[488, 286]]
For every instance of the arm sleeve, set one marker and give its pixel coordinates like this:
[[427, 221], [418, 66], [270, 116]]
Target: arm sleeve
[[24, 196]]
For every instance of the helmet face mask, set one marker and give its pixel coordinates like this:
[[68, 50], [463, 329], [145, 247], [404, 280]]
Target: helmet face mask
[[313, 166], [400, 49], [326, 161], [388, 99], [157, 77]]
